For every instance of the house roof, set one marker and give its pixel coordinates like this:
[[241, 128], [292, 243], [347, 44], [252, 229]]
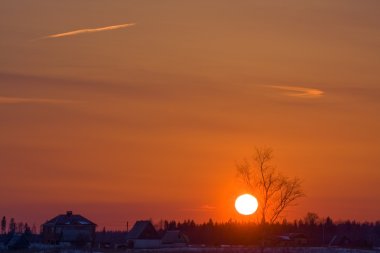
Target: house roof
[[69, 219], [143, 229]]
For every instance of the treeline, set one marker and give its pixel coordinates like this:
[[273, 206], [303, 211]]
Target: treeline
[[316, 232], [12, 226]]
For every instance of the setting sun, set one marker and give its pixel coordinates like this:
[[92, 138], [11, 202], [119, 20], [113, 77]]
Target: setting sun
[[246, 204]]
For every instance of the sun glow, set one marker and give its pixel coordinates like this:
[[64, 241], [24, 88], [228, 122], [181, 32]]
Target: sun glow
[[246, 204]]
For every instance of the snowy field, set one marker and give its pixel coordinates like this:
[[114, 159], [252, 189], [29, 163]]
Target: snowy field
[[258, 250], [205, 250]]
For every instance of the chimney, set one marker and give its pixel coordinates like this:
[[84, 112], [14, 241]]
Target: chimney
[[69, 213]]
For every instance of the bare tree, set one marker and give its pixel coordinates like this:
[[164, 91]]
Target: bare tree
[[3, 225], [20, 227], [311, 218], [12, 226], [274, 191]]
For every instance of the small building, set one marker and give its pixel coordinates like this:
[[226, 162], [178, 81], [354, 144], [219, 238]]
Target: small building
[[143, 235], [69, 229], [174, 239]]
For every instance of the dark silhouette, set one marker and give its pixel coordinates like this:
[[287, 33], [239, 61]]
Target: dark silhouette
[[143, 235], [12, 226], [319, 232], [307, 232], [17, 241], [274, 191], [69, 228], [3, 225]]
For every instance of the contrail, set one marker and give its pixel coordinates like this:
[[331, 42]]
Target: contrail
[[295, 91], [88, 30], [20, 100]]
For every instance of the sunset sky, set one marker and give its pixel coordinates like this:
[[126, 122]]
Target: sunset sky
[[123, 109]]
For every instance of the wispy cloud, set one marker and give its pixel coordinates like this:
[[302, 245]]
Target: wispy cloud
[[20, 100], [88, 30], [296, 91]]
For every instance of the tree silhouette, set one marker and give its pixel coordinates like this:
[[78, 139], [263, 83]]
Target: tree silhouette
[[311, 218], [3, 225], [274, 191], [12, 225]]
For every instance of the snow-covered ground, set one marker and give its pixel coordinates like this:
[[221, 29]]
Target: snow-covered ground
[[258, 250], [225, 249]]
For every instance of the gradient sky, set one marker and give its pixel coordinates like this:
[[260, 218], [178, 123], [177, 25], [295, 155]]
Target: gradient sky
[[123, 110]]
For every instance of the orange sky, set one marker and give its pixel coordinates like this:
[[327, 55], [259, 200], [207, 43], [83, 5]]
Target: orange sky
[[124, 110]]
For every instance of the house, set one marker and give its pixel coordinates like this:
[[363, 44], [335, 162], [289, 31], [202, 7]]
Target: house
[[174, 239], [69, 229], [143, 235]]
